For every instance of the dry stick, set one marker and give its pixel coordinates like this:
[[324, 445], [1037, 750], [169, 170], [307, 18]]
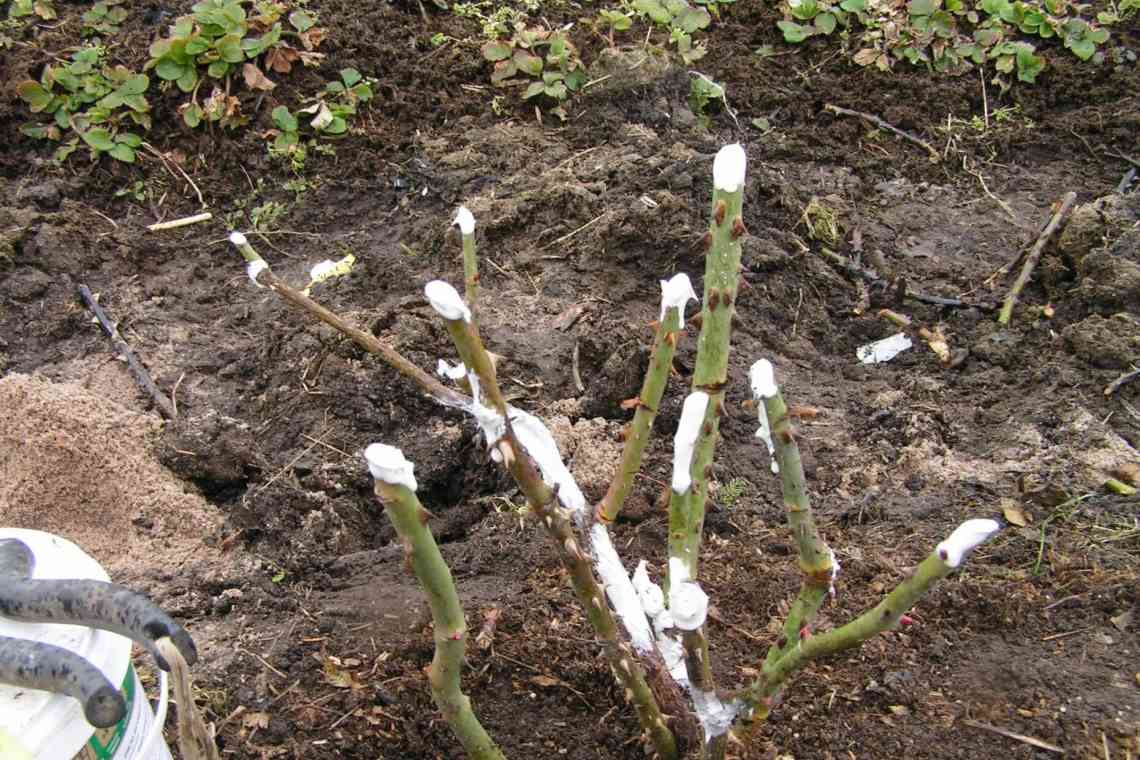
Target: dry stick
[[195, 740], [1034, 256], [1016, 737], [1115, 385], [872, 119], [185, 221], [264, 277], [142, 377], [874, 279]]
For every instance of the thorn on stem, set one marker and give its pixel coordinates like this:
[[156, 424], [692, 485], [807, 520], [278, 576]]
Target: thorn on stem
[[714, 299], [738, 228], [721, 210]]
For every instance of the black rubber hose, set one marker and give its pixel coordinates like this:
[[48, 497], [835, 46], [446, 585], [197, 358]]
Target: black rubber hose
[[16, 559], [35, 665], [95, 604]]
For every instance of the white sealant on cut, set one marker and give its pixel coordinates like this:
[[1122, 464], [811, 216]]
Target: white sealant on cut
[[653, 603], [321, 271], [465, 220], [834, 572], [688, 603], [675, 293], [539, 443], [446, 301], [685, 440], [729, 168], [254, 268], [450, 371], [715, 716], [387, 463], [883, 350], [965, 538], [619, 589], [238, 239]]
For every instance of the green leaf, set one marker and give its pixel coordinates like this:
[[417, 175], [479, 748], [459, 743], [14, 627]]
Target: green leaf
[[350, 77], [123, 152], [302, 21], [804, 10], [693, 19], [556, 90], [496, 51], [853, 6], [136, 85], [229, 48], [527, 63], [40, 131], [654, 10], [1029, 65], [503, 71], [1082, 48], [793, 32], [338, 126], [128, 138], [1098, 36], [533, 90], [98, 138], [188, 80], [1004, 64], [921, 7], [191, 115], [825, 23], [218, 69], [169, 69], [197, 45], [33, 93], [284, 120]]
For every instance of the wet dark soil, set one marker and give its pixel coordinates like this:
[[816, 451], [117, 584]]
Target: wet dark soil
[[314, 638]]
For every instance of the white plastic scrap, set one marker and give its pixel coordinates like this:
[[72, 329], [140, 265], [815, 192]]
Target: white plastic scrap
[[619, 589], [728, 168], [465, 220], [675, 293], [450, 371], [446, 301], [685, 440], [688, 602], [387, 463], [965, 538], [883, 350]]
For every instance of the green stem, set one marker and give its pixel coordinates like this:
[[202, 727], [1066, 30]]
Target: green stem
[[410, 520], [626, 667], [884, 616], [471, 277], [815, 557], [722, 274], [648, 402]]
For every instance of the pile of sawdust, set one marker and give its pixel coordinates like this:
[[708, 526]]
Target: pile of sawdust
[[83, 467]]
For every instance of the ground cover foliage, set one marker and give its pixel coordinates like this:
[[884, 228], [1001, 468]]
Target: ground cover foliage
[[314, 638]]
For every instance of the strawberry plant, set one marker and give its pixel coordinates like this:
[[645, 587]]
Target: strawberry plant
[[327, 117], [538, 53], [681, 20], [93, 101], [218, 38], [104, 18]]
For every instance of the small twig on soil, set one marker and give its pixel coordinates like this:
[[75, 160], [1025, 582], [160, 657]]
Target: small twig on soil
[[1016, 737], [174, 394], [985, 189], [1126, 181], [1034, 256], [1085, 142], [574, 370], [142, 377], [1115, 385], [574, 232], [872, 277], [1065, 634], [183, 222], [166, 162], [872, 119], [1123, 157]]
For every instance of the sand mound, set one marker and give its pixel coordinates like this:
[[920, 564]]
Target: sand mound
[[81, 466]]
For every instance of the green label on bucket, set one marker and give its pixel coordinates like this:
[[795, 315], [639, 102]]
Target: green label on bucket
[[105, 742]]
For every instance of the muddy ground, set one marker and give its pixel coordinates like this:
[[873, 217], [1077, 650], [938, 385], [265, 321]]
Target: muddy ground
[[251, 518]]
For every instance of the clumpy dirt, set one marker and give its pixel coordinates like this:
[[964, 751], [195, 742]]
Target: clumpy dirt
[[252, 519]]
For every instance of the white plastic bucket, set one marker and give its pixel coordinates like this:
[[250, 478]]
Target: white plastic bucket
[[43, 726]]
